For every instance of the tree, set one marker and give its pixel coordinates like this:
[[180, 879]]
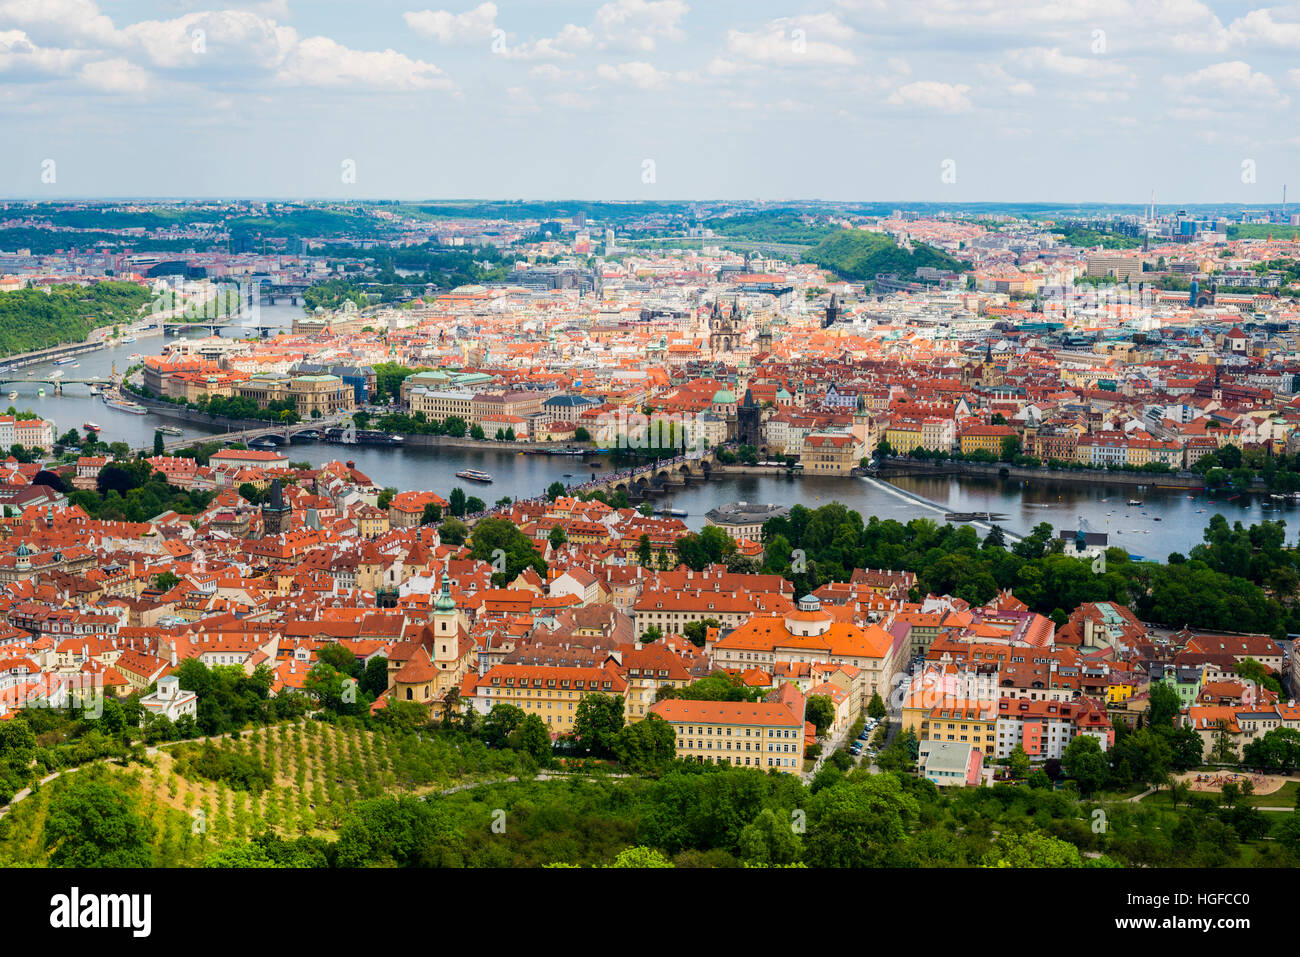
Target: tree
[[876, 707], [1032, 849], [494, 538], [643, 553], [500, 722], [1278, 751], [647, 746], [820, 710], [534, 738], [385, 497], [697, 632], [432, 514], [554, 491], [457, 502], [334, 690], [92, 824], [769, 840], [858, 823], [396, 832], [652, 634], [374, 679], [1084, 762], [159, 446], [166, 580], [453, 532], [1165, 705], [1187, 748], [597, 721], [557, 536], [1018, 763], [641, 858]]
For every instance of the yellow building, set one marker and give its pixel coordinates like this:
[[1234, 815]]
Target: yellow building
[[1138, 452], [1120, 690], [962, 720], [904, 435], [647, 669], [764, 735], [552, 693], [325, 394], [829, 453], [984, 438], [371, 521]]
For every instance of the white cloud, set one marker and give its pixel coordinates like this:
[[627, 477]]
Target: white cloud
[[21, 58], [319, 61], [59, 21], [641, 75], [932, 96], [446, 27], [794, 41], [553, 73], [563, 45], [1052, 60], [1233, 82], [639, 23], [228, 41], [115, 76]]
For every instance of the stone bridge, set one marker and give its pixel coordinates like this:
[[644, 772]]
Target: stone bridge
[[644, 480]]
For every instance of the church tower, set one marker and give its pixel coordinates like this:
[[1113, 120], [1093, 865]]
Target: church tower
[[446, 626], [750, 418], [277, 514], [723, 334], [833, 311]]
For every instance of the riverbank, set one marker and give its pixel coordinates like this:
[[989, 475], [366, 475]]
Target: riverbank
[[895, 467], [179, 413]]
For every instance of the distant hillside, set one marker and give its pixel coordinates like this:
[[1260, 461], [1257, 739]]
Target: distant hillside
[[859, 255], [37, 318]]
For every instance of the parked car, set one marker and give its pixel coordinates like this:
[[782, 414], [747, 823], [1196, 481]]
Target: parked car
[[855, 750]]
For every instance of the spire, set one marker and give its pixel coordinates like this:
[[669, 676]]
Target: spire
[[445, 602]]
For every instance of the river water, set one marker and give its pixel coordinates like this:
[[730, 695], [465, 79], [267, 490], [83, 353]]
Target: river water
[[1168, 521]]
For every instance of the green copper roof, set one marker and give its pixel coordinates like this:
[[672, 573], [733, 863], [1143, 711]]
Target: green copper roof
[[445, 602]]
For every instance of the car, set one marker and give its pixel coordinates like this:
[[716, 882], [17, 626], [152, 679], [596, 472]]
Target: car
[[855, 751]]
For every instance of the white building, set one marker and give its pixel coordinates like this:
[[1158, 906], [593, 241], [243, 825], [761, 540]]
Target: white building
[[170, 700]]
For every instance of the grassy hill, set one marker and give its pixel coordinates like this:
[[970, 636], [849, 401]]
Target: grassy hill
[[36, 318], [858, 255], [292, 779]]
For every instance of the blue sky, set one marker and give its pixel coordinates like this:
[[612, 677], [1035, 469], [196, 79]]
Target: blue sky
[[1032, 100]]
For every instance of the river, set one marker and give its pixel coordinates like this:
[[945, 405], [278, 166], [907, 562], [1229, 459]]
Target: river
[[1168, 521]]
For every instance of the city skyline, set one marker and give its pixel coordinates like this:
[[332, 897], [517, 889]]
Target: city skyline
[[651, 100]]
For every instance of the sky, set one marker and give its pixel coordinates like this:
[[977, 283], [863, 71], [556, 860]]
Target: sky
[[884, 100]]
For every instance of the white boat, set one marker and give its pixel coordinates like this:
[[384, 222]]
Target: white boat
[[123, 406], [13, 395], [474, 475]]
